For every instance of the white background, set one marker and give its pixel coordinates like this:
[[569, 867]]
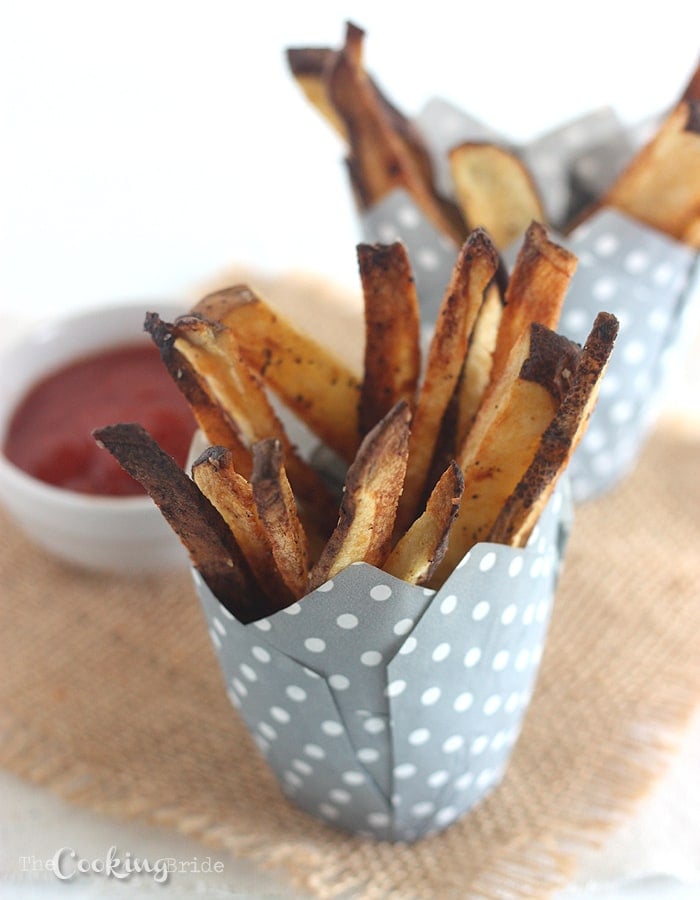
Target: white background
[[147, 146]]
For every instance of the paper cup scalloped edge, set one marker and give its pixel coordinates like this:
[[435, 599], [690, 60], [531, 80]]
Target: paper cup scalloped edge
[[389, 710]]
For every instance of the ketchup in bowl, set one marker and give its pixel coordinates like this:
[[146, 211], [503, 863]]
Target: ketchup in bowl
[[50, 432]]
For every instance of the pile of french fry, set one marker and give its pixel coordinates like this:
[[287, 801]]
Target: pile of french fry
[[438, 454], [492, 186]]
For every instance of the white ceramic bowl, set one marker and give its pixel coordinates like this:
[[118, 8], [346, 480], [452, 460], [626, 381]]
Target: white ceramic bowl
[[109, 534]]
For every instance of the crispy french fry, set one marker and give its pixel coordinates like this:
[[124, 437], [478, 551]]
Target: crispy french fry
[[200, 527], [495, 191], [308, 65], [379, 158], [211, 417], [524, 505], [215, 475], [474, 270], [476, 372], [661, 185], [421, 549], [510, 424], [277, 511], [392, 327], [309, 379], [213, 350], [368, 509], [536, 290], [311, 67]]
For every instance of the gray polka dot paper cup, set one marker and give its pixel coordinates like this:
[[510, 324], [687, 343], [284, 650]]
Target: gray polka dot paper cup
[[389, 710], [652, 284], [649, 281]]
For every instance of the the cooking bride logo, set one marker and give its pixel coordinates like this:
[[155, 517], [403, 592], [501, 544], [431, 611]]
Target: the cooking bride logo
[[67, 864]]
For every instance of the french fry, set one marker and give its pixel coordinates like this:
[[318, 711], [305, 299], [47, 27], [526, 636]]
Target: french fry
[[309, 65], [379, 159], [495, 191], [536, 290], [200, 527], [421, 549], [478, 363], [510, 424], [309, 379], [560, 439], [210, 416], [661, 185], [368, 509], [277, 511], [232, 495], [213, 350], [474, 270], [392, 329], [477, 446]]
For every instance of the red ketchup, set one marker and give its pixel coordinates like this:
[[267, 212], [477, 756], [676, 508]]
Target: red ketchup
[[50, 434]]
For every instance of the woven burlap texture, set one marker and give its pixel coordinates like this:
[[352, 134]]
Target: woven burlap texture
[[111, 696]]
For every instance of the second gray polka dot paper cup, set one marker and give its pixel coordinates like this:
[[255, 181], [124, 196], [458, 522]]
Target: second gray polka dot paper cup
[[389, 710], [652, 284], [649, 281]]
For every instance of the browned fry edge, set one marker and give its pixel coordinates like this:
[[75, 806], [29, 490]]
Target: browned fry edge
[[392, 356], [211, 418], [562, 436], [200, 527], [385, 445], [232, 494], [440, 512], [397, 151], [446, 354], [277, 511]]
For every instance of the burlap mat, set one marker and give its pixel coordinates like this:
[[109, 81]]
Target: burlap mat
[[110, 695]]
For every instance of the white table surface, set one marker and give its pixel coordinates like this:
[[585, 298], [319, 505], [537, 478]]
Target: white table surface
[[149, 146]]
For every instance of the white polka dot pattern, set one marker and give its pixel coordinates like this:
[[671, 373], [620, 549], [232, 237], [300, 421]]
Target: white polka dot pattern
[[625, 267], [386, 709]]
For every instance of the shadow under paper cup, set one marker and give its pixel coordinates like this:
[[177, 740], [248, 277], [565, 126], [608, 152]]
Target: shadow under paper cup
[[390, 710]]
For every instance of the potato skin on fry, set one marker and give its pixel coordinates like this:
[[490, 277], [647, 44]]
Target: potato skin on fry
[[523, 507], [373, 486], [419, 552], [380, 159], [392, 331], [535, 293], [276, 508], [215, 353], [309, 380], [215, 475], [308, 66], [211, 417], [475, 268], [212, 548]]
